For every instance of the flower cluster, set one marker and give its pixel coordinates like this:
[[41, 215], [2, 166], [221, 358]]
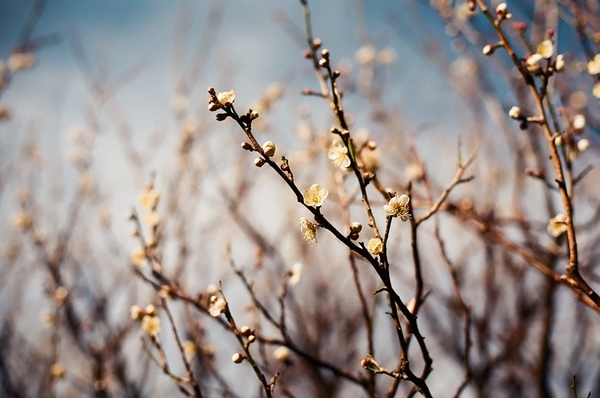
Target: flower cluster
[[148, 317], [223, 100], [593, 68], [544, 51]]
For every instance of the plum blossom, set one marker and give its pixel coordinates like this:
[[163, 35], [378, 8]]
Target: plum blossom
[[398, 207], [375, 246], [309, 230], [315, 195], [338, 154]]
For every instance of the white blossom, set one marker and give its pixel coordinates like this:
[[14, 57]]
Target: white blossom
[[309, 230], [557, 225], [375, 246], [226, 98], [338, 154], [315, 195], [398, 207]]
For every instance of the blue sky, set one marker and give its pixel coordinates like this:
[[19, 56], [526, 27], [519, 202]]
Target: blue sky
[[251, 50]]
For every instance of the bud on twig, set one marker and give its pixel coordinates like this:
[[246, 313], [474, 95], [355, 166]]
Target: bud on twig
[[238, 357], [247, 146], [269, 148]]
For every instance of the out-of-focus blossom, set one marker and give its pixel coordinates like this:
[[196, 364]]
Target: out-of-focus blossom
[[281, 353], [366, 54], [593, 67], [4, 111], [189, 347], [217, 306], [557, 225], [414, 172], [86, 182], [309, 230], [152, 219], [533, 63], [138, 256], [386, 57], [559, 65], [151, 325], [578, 122], [583, 144], [21, 61], [57, 371], [136, 312], [295, 274], [149, 199], [546, 49], [22, 221], [596, 90]]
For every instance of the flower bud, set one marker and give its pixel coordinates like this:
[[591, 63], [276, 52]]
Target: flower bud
[[247, 146], [558, 141], [372, 145], [281, 353], [259, 162], [583, 144], [520, 26], [488, 49], [501, 9], [150, 310], [533, 63], [515, 113], [559, 65], [355, 227], [269, 148], [221, 116], [546, 49], [245, 330], [502, 12], [578, 123], [136, 312], [238, 357]]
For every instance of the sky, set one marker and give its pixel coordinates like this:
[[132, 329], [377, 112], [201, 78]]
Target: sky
[[142, 47], [252, 49]]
